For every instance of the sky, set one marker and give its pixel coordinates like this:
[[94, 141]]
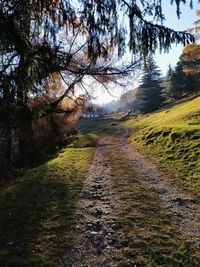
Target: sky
[[163, 60], [186, 21]]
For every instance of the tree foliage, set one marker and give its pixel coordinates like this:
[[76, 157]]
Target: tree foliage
[[71, 39], [180, 83], [150, 93], [48, 34], [168, 82], [191, 54], [190, 59], [185, 78]]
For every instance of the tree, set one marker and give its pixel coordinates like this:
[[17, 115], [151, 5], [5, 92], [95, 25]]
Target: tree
[[42, 38], [178, 82], [150, 93], [168, 83], [190, 58], [185, 78], [181, 83]]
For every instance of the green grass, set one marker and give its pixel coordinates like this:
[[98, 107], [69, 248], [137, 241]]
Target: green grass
[[91, 130], [148, 235], [36, 210], [172, 137]]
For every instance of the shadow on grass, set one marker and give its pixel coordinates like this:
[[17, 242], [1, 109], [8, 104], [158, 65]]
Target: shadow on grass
[[36, 215]]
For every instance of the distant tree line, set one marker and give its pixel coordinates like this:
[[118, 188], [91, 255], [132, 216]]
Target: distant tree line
[[156, 91], [184, 79]]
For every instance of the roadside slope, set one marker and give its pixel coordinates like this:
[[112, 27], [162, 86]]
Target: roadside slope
[[36, 210], [172, 138]]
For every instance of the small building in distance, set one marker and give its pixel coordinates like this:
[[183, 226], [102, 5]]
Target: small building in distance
[[89, 115]]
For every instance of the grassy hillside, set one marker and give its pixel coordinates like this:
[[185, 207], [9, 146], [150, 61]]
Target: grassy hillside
[[36, 210], [172, 137]]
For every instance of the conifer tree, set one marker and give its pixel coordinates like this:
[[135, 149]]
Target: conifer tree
[[150, 93], [168, 82], [181, 83], [41, 38]]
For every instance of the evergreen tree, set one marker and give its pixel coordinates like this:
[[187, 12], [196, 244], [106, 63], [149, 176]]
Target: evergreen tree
[[150, 93], [181, 83], [168, 83], [71, 38], [178, 82], [185, 78]]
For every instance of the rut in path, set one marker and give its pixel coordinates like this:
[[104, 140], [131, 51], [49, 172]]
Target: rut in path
[[96, 239]]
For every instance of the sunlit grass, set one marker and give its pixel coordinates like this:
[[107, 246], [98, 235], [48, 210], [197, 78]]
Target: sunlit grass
[[172, 137]]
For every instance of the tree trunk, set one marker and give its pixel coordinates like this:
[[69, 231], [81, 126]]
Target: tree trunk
[[22, 138], [16, 138], [5, 145], [5, 134]]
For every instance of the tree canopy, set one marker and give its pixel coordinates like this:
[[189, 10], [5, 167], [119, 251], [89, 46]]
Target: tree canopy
[[44, 39], [41, 37], [190, 57], [184, 79]]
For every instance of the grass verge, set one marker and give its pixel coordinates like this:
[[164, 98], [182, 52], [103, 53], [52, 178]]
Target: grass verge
[[149, 235], [36, 210], [172, 137]]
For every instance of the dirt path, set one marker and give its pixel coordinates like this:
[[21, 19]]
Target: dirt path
[[185, 208], [99, 232], [96, 239]]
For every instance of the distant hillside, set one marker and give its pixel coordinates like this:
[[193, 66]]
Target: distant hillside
[[172, 137], [126, 102]]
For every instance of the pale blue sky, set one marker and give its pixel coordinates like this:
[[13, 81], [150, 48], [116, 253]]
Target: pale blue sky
[[186, 21], [163, 60]]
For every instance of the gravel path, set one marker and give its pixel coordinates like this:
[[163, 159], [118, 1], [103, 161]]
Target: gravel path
[[96, 236], [185, 208], [97, 231]]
